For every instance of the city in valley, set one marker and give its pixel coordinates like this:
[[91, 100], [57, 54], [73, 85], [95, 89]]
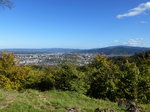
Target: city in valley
[[54, 58]]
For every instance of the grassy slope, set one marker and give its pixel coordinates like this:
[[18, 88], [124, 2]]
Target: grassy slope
[[51, 101]]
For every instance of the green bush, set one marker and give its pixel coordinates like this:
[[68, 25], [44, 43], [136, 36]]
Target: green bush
[[69, 78], [103, 78]]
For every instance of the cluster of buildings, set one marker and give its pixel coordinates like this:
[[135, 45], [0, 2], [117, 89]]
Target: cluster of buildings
[[54, 58]]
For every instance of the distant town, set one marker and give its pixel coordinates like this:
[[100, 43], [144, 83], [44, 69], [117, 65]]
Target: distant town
[[54, 58]]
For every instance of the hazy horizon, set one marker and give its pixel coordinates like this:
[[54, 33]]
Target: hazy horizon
[[75, 48]]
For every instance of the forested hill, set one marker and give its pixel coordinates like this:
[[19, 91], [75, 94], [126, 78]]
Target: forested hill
[[117, 50]]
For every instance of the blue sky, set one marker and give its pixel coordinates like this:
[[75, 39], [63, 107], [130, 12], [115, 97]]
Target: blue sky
[[75, 23]]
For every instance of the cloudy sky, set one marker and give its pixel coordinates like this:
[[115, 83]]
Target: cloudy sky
[[75, 23]]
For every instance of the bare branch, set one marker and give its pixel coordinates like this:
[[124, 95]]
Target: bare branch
[[6, 3]]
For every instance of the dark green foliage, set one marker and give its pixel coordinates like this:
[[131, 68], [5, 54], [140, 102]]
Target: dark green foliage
[[103, 78], [144, 82], [42, 78], [69, 78], [123, 77], [128, 84]]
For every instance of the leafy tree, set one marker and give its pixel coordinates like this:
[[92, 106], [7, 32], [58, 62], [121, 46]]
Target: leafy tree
[[39, 80], [144, 82], [69, 78], [5, 82], [103, 78], [15, 76], [128, 84]]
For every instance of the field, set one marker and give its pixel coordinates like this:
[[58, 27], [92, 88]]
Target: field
[[52, 101]]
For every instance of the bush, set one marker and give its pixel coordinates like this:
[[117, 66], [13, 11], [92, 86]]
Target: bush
[[5, 83], [103, 78], [12, 76], [70, 79]]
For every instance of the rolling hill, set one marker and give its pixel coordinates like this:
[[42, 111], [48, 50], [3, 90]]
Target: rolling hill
[[117, 50]]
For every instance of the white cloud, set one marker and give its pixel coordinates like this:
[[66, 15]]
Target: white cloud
[[130, 42], [116, 41], [136, 11], [143, 22], [134, 42]]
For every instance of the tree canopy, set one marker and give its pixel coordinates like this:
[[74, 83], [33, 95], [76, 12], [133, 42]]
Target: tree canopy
[[126, 78]]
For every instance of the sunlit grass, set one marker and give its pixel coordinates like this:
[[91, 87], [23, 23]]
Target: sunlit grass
[[52, 101]]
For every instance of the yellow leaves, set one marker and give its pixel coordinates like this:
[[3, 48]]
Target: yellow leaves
[[5, 82], [12, 76], [7, 60]]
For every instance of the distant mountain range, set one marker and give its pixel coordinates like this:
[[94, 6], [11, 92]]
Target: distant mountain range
[[112, 50], [117, 50]]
